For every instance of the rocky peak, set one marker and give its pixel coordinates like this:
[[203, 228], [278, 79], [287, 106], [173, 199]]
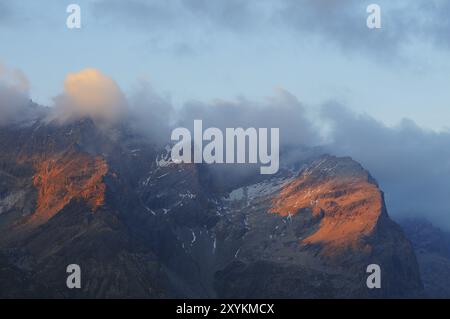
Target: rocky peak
[[144, 226], [344, 196]]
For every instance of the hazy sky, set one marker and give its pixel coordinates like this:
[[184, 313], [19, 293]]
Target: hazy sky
[[318, 50]]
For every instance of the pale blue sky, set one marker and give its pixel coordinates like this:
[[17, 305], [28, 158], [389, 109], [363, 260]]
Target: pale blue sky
[[195, 49]]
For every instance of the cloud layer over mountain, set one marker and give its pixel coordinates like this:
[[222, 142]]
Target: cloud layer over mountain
[[14, 95], [411, 164]]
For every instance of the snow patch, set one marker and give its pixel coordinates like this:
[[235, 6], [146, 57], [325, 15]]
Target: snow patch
[[149, 210], [194, 238]]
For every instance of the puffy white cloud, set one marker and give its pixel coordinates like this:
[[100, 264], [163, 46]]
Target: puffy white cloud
[[89, 94]]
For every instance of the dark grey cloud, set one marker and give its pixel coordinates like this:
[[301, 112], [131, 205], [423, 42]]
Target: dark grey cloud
[[14, 98], [282, 110], [344, 23], [151, 113], [434, 22], [17, 14], [6, 13], [231, 14], [338, 22], [150, 15], [13, 105], [155, 15], [411, 164]]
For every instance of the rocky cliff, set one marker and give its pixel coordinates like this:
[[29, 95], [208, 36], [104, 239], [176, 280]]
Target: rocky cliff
[[140, 225]]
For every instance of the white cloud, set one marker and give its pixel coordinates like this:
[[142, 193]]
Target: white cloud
[[89, 94]]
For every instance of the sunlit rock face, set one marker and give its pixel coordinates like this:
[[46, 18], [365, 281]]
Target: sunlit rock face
[[325, 222], [344, 196], [66, 177], [140, 225]]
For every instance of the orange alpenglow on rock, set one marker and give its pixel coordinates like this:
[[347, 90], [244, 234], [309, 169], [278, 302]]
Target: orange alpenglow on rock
[[343, 194], [61, 179]]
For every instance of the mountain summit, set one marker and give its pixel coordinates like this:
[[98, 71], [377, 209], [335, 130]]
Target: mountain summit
[[140, 225]]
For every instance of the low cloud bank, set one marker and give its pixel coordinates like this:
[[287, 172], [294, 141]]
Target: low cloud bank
[[282, 110], [411, 164], [14, 96]]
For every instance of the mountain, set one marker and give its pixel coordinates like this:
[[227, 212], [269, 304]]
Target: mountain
[[140, 225], [432, 247], [322, 226]]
